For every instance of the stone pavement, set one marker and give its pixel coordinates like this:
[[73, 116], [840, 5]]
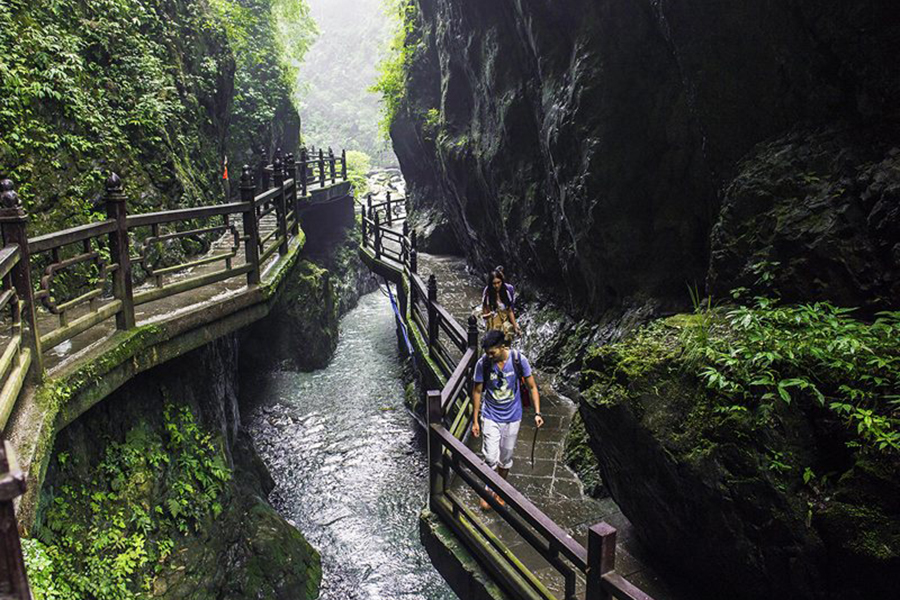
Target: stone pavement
[[551, 485]]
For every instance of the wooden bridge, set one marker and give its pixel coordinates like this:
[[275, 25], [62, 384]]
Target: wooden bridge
[[446, 353], [88, 308]]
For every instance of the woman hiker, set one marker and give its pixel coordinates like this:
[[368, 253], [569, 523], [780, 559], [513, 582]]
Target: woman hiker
[[497, 305], [503, 375]]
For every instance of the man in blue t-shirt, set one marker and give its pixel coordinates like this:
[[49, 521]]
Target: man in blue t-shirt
[[502, 407]]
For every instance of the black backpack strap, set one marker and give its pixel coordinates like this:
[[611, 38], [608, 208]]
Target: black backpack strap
[[485, 371]]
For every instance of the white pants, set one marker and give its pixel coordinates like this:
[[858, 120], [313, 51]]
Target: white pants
[[498, 443]]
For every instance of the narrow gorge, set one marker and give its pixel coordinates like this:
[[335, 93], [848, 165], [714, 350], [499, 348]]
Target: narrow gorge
[[241, 320]]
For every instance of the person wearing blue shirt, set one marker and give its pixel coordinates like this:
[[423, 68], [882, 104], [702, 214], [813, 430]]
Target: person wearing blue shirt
[[501, 410]]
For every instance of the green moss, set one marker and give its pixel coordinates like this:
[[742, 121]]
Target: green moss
[[579, 456], [110, 528]]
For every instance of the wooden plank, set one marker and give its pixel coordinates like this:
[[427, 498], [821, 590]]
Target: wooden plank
[[185, 214], [507, 576], [79, 325], [621, 588], [10, 354], [532, 515], [70, 236], [457, 379], [13, 386], [9, 256], [189, 284]]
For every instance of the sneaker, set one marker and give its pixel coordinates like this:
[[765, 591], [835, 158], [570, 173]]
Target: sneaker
[[484, 504], [499, 500]]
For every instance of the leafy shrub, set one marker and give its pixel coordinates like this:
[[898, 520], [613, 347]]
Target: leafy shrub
[[358, 165], [763, 353], [107, 538]]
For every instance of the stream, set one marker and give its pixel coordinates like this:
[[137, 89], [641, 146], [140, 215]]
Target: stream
[[349, 465]]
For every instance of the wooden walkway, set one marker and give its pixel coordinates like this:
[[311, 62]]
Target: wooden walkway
[[113, 299], [519, 546]]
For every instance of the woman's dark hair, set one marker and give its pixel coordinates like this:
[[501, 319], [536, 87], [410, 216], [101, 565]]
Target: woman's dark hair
[[492, 294]]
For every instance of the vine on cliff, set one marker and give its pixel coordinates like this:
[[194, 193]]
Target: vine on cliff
[[393, 69], [108, 538]]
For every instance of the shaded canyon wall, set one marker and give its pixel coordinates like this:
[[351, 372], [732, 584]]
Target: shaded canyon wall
[[609, 150]]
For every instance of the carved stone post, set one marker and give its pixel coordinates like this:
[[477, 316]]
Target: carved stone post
[[13, 578], [432, 312], [280, 204], [13, 222], [331, 165], [601, 559], [118, 251], [321, 168], [304, 173], [263, 169], [290, 169], [435, 447], [344, 165], [251, 226]]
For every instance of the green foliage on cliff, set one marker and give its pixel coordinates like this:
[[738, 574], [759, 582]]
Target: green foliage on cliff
[[763, 359], [269, 39], [764, 353], [394, 68], [113, 83], [109, 537], [358, 165], [140, 86]]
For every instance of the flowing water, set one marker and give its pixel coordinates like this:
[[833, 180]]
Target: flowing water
[[349, 464]]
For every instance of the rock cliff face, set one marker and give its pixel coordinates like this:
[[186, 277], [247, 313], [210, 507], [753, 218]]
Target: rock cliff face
[[596, 146]]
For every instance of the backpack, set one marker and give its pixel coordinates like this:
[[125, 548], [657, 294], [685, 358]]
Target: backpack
[[517, 367]]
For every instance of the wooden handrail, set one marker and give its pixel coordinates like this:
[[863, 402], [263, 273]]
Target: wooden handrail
[[597, 562], [185, 214], [9, 256], [543, 524], [72, 235]]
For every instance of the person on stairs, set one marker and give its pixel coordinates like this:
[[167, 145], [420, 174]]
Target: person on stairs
[[497, 305], [499, 378]]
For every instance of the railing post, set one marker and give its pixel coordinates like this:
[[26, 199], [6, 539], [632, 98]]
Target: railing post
[[387, 204], [472, 333], [362, 210], [331, 165], [377, 228], [280, 205], [290, 168], [404, 244], [344, 164], [263, 169], [251, 226], [119, 252], [601, 559], [414, 240], [432, 311], [413, 261], [304, 175], [321, 168], [13, 224], [13, 577], [435, 448]]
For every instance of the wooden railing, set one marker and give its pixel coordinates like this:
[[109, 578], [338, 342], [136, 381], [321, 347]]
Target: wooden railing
[[453, 353], [63, 284]]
